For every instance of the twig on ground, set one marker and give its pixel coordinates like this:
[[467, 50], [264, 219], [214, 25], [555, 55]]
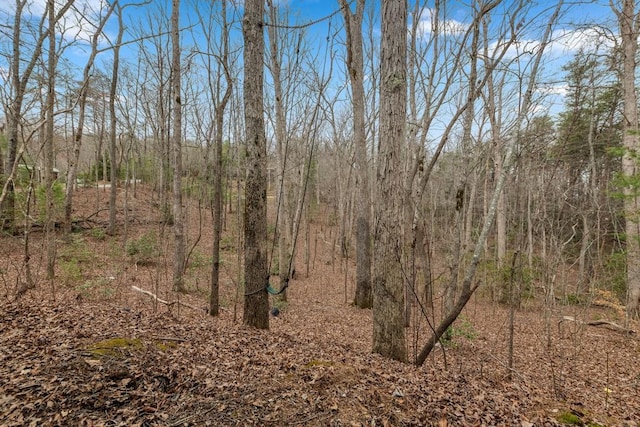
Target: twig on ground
[[161, 301]]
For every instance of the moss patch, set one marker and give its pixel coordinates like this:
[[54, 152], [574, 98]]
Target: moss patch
[[115, 346], [571, 419], [165, 345], [315, 363]]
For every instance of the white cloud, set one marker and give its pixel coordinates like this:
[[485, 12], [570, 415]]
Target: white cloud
[[444, 26], [589, 39], [517, 49], [564, 42], [554, 89], [79, 21]]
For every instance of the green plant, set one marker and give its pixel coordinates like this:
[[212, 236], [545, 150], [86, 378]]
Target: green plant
[[198, 259], [143, 250], [98, 233], [502, 279], [76, 249], [573, 299], [461, 329], [570, 418], [227, 243], [72, 255], [58, 200], [96, 288], [71, 272]]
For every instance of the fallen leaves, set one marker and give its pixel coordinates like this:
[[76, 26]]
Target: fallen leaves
[[171, 367]]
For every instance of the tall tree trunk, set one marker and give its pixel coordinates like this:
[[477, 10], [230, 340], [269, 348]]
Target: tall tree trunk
[[178, 215], [50, 237], [13, 121], [388, 295], [355, 67], [217, 179], [113, 176], [256, 301], [282, 150], [628, 21]]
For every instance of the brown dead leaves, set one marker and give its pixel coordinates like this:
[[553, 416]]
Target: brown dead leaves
[[313, 368]]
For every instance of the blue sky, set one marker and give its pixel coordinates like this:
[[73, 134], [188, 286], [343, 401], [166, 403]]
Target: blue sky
[[305, 11]]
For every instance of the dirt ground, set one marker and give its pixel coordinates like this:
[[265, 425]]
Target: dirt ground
[[86, 349]]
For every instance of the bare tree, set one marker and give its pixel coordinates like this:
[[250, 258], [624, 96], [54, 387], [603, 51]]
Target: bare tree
[[513, 139], [388, 281], [113, 93], [48, 151], [21, 70], [355, 67], [72, 168], [178, 216], [256, 302], [275, 66], [220, 98]]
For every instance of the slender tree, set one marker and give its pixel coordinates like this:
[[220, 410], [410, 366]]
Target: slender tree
[[178, 215], [355, 68], [256, 302], [113, 93], [49, 136], [220, 104], [275, 66]]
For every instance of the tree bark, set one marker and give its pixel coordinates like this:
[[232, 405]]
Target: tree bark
[[256, 302], [388, 283], [50, 237], [355, 67], [178, 214], [113, 176], [628, 21], [282, 151], [220, 106]]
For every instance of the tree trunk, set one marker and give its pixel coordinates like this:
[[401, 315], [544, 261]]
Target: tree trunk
[[282, 151], [178, 215], [629, 34], [355, 67], [388, 295], [50, 237], [113, 177], [256, 302], [220, 107]]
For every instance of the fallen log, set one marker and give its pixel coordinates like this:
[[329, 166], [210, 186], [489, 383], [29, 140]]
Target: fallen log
[[607, 324]]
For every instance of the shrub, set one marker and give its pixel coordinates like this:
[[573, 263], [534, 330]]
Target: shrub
[[143, 250]]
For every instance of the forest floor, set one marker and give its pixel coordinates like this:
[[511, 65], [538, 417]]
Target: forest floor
[[86, 349]]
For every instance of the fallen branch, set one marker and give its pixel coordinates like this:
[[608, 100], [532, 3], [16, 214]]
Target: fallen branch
[[169, 339], [609, 325], [161, 301]]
